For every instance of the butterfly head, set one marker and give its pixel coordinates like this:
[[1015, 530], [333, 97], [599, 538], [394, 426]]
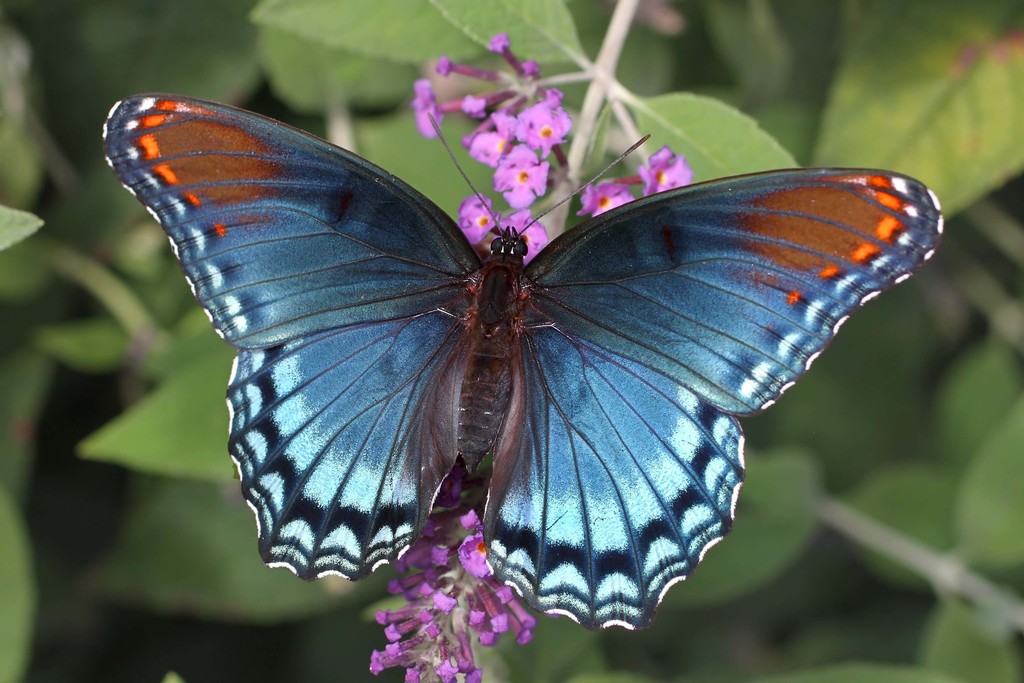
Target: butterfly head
[[509, 243]]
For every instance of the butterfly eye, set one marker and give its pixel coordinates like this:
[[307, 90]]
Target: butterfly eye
[[496, 245], [521, 248]]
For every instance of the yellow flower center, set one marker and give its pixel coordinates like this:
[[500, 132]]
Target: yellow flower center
[[546, 132]]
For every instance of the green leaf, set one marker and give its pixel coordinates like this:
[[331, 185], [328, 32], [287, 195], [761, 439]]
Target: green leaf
[[399, 30], [190, 548], [17, 592], [717, 139], [977, 391], [990, 504], [310, 76], [958, 643], [915, 499], [939, 102], [774, 522], [542, 30], [94, 345], [863, 673], [180, 429], [25, 376], [16, 225]]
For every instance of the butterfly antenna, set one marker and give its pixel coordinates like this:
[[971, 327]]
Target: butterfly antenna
[[590, 182], [451, 155]]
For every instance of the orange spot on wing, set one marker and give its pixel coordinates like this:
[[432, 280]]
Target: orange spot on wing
[[167, 105], [827, 272], [165, 172], [794, 297], [887, 227], [192, 199], [152, 120], [150, 148], [889, 201], [880, 181], [221, 230], [865, 252]]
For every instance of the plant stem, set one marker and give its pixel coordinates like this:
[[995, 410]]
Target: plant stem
[[946, 572], [604, 76]]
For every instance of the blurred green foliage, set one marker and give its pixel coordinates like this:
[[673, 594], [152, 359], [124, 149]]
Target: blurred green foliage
[[127, 553]]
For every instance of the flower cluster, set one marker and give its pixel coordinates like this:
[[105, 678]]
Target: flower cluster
[[451, 595], [520, 135], [522, 125]]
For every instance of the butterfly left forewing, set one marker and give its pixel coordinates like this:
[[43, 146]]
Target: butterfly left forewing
[[280, 233]]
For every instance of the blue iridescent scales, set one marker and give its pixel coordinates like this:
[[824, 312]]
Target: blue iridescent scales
[[634, 342]]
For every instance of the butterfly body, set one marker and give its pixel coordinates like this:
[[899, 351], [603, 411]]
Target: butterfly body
[[604, 379], [494, 327]]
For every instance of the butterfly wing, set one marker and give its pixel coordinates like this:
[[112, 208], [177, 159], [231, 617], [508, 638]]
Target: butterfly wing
[[343, 438], [647, 329], [341, 286], [280, 233], [733, 287], [610, 483]]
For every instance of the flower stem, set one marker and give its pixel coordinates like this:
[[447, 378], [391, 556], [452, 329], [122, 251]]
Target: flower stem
[[604, 75], [945, 571]]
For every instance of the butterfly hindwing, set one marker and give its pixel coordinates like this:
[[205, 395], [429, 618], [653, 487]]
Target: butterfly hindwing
[[733, 287], [342, 441], [611, 484], [280, 233]]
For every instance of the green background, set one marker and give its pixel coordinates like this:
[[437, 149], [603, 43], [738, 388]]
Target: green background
[[880, 536]]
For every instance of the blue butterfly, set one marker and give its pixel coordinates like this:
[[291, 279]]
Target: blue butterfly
[[604, 379]]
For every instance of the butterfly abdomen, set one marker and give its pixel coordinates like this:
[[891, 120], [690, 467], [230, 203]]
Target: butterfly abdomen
[[493, 335]]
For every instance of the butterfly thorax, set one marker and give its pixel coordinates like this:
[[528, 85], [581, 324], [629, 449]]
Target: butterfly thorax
[[493, 322]]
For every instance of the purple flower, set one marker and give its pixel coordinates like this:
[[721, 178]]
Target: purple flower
[[474, 106], [517, 219], [520, 177], [473, 554], [499, 43], [475, 221], [597, 199], [543, 126], [489, 146], [444, 65], [665, 171], [425, 106], [448, 602]]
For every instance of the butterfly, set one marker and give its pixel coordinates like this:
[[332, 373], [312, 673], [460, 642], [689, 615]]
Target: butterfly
[[604, 379]]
